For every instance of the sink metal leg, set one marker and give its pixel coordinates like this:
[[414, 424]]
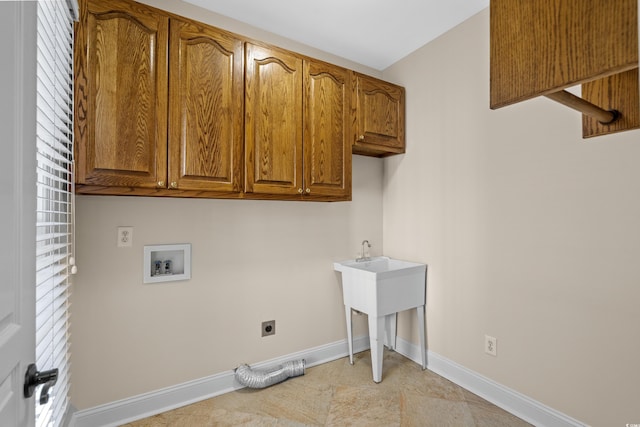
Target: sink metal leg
[[423, 336], [390, 321], [347, 311], [376, 338]]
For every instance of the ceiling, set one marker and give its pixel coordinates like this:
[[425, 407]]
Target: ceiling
[[374, 33]]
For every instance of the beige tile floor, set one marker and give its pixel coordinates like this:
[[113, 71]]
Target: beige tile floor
[[340, 394]]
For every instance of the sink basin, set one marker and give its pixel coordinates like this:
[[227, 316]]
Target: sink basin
[[381, 287], [381, 266]]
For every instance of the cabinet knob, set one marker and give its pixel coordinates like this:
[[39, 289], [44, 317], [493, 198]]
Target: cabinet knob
[[308, 190], [160, 183], [361, 138], [174, 184], [300, 190]]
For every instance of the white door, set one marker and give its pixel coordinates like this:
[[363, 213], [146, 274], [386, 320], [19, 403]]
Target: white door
[[17, 208]]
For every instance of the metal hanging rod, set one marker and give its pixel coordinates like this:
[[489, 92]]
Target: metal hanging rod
[[605, 117]]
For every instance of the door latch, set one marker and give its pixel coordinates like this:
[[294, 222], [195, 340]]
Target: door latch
[[33, 378]]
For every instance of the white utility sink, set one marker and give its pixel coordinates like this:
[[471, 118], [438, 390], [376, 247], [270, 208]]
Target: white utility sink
[[381, 287]]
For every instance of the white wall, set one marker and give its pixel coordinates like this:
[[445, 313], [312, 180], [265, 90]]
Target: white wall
[[532, 235], [252, 261]]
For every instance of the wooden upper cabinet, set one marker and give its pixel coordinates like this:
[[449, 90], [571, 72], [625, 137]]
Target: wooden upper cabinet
[[327, 130], [120, 94], [206, 108], [140, 127], [542, 47], [273, 121], [297, 125], [380, 111], [167, 106]]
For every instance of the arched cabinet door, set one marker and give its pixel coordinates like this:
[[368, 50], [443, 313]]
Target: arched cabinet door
[[327, 130], [273, 121], [380, 108], [121, 94], [205, 108]]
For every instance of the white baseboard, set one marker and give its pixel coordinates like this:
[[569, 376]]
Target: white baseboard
[[510, 400], [156, 402]]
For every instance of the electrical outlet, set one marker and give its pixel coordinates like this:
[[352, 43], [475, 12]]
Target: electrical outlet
[[125, 237], [268, 328], [490, 345]]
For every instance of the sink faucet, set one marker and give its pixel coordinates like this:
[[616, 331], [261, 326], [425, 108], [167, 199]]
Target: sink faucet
[[363, 257]]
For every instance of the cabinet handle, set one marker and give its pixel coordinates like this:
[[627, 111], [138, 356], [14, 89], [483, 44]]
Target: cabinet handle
[[160, 183], [300, 190], [308, 190], [174, 184]]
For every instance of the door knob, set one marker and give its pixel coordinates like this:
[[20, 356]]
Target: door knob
[[33, 378]]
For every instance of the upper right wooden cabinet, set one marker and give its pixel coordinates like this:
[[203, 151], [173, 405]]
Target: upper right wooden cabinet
[[542, 47], [379, 123]]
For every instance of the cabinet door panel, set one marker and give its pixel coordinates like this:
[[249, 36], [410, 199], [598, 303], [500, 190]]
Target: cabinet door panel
[[206, 101], [327, 147], [121, 82], [273, 121], [380, 114]]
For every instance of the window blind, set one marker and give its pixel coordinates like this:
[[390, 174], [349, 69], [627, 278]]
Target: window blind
[[54, 216]]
